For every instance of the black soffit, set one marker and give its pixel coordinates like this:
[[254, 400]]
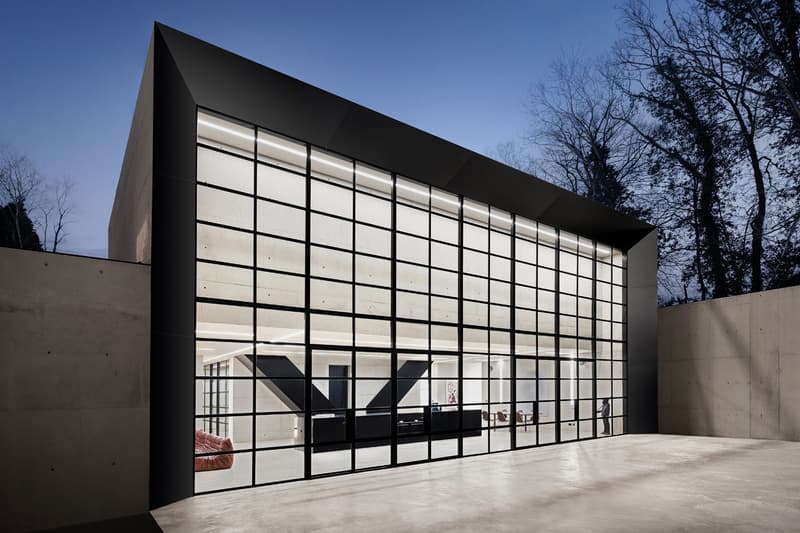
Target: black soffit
[[230, 84]]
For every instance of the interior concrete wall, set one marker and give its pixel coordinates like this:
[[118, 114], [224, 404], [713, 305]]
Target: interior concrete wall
[[730, 367], [74, 398]]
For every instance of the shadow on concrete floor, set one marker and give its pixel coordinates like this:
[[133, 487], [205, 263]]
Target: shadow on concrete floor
[[140, 523]]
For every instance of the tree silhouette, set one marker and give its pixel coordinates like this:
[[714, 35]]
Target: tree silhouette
[[16, 228]]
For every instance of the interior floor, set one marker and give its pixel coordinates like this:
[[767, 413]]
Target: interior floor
[[625, 483]]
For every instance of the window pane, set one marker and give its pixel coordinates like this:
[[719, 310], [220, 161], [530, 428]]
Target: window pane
[[331, 330], [224, 170], [373, 333], [331, 263], [214, 205], [412, 249], [413, 306], [279, 150], [331, 296], [373, 210], [280, 289], [278, 254], [226, 245], [525, 251], [476, 288], [412, 336], [445, 202], [276, 184], [373, 271], [500, 292], [444, 283], [475, 237], [525, 274], [281, 220], [217, 321], [327, 198], [372, 180], [414, 221], [225, 134], [412, 192], [224, 282], [444, 229], [444, 309], [500, 244], [500, 268], [280, 326], [547, 256], [476, 263], [331, 167], [331, 231], [412, 277], [373, 301], [444, 256], [373, 240]]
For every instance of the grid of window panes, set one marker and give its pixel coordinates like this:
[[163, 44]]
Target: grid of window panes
[[369, 320]]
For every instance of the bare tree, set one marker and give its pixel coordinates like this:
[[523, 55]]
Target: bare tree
[[770, 30], [688, 137], [20, 185], [514, 155], [706, 52], [586, 145], [56, 214], [34, 213]]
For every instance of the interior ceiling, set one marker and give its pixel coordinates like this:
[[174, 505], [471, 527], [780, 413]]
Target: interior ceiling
[[235, 86]]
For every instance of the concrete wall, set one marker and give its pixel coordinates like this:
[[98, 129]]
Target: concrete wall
[[74, 398], [130, 225], [731, 367]]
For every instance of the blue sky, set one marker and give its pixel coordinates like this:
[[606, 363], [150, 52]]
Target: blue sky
[[461, 70]]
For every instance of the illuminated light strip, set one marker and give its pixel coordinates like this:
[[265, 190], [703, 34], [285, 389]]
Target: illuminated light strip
[[450, 201], [250, 138], [379, 179], [419, 192], [298, 153], [287, 149], [245, 136]]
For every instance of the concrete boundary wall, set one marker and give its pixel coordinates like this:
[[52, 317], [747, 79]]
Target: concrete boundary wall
[[731, 367], [74, 405]]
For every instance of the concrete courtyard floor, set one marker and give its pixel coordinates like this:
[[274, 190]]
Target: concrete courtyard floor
[[636, 483]]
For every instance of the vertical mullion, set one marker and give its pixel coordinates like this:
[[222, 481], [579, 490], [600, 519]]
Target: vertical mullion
[[430, 357], [557, 332], [307, 423], [593, 296], [461, 326], [255, 299], [351, 420], [512, 335], [624, 348], [488, 316], [537, 404], [393, 353]]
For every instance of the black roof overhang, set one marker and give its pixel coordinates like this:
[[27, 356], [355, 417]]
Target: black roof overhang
[[224, 82]]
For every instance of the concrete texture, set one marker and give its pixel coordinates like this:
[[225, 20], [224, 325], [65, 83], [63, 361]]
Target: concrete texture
[[635, 483], [731, 367], [74, 404], [130, 225]]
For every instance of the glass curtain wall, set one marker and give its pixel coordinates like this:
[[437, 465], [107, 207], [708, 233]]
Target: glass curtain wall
[[366, 320]]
